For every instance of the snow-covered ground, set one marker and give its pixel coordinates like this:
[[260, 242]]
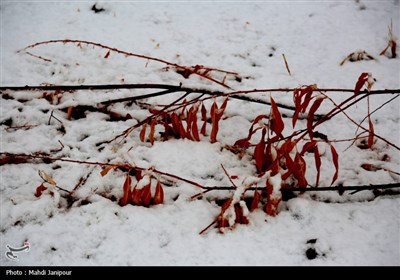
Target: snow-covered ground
[[245, 37]]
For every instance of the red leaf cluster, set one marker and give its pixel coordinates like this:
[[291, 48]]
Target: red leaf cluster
[[141, 196], [184, 124]]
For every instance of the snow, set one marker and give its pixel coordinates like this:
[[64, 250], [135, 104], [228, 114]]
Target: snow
[[248, 37]]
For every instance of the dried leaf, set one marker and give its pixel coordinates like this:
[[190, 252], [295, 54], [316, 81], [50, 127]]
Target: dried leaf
[[277, 124], [393, 47], [146, 195], [143, 132], [105, 170], [39, 190], [47, 178], [335, 158], [107, 54], [286, 64], [126, 198], [256, 200], [360, 83], [159, 195]]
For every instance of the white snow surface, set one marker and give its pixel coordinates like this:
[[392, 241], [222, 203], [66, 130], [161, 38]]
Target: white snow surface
[[248, 37]]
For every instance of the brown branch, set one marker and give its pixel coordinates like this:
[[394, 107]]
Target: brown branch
[[10, 158], [6, 158], [172, 87], [196, 70]]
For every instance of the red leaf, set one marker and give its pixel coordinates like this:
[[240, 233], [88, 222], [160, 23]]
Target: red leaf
[[39, 190], [290, 166], [277, 124], [204, 119], [287, 147], [307, 98], [310, 117], [224, 104], [193, 120], [138, 175], [238, 213], [146, 195], [259, 152], [297, 104], [308, 147], [274, 167], [242, 143], [177, 125], [152, 130], [335, 158], [271, 207], [300, 170], [370, 167], [143, 132], [302, 98], [136, 196], [126, 198], [360, 83], [256, 200], [370, 134], [107, 54], [317, 164], [216, 115], [159, 195]]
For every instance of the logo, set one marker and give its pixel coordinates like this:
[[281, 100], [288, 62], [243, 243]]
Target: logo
[[12, 250]]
